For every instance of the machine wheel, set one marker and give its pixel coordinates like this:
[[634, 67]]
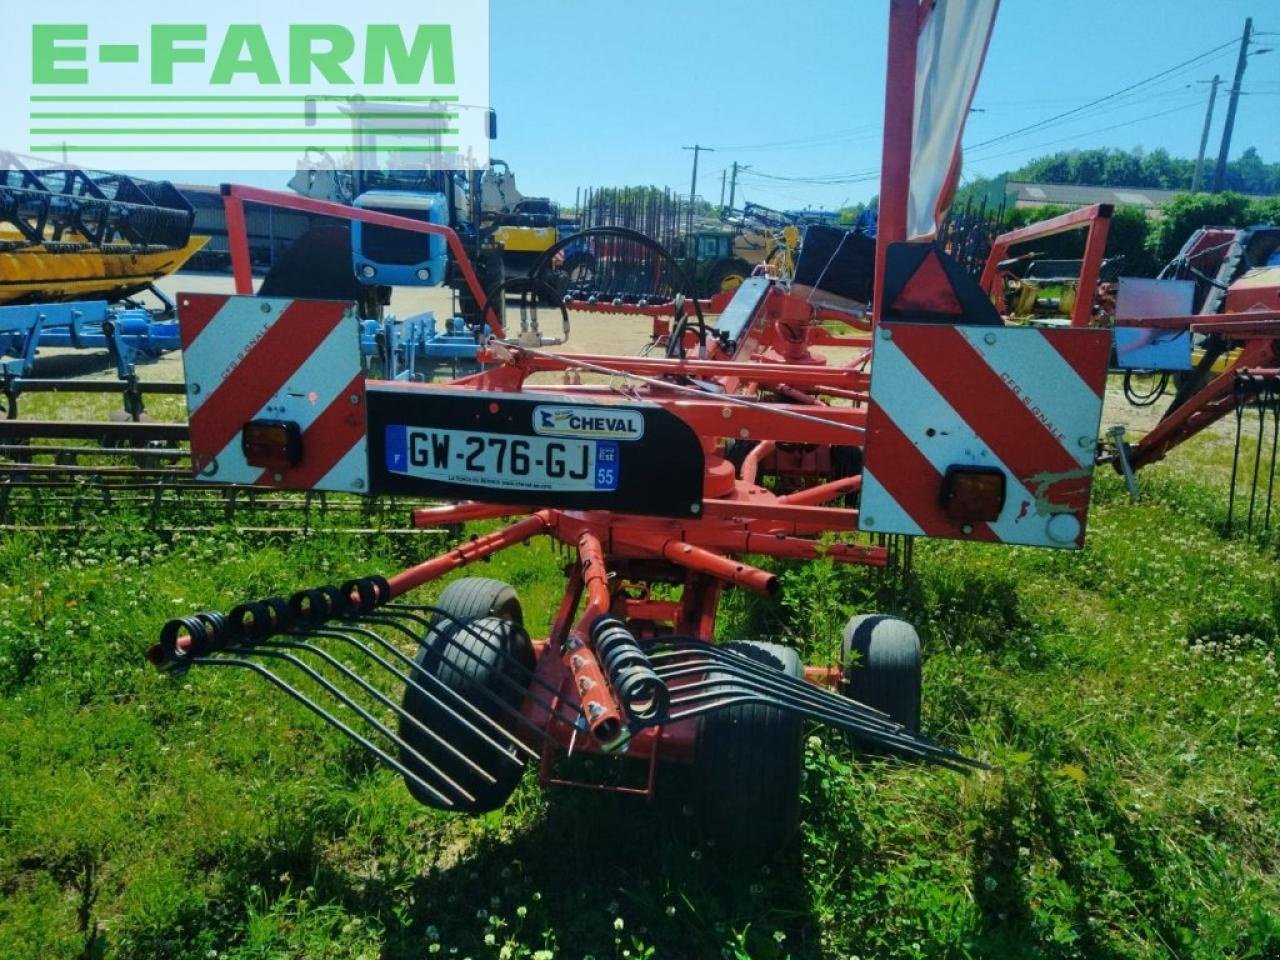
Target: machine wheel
[[726, 275], [748, 761], [579, 268], [467, 656], [886, 672], [472, 598]]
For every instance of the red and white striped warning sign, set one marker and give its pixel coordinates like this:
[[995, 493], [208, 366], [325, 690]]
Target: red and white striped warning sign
[[1024, 401], [261, 358]]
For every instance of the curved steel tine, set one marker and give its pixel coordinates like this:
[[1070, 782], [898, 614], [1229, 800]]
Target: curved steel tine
[[409, 612], [471, 654], [714, 697], [386, 701], [345, 700], [924, 750], [916, 744], [789, 687], [385, 758], [728, 660], [550, 709], [789, 693], [443, 687]]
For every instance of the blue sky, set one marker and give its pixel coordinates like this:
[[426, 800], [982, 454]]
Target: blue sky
[[604, 92]]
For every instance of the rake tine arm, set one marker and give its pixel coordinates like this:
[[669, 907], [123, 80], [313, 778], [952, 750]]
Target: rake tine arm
[[386, 701], [349, 703], [812, 696], [711, 700], [441, 686], [532, 676], [327, 717]]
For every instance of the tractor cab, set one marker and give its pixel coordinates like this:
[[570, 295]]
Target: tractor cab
[[709, 245], [708, 259]]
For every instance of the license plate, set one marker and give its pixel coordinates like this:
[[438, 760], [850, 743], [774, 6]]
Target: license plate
[[501, 460]]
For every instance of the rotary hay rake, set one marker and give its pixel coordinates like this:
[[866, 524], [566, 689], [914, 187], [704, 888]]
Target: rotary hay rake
[[660, 475], [736, 441]]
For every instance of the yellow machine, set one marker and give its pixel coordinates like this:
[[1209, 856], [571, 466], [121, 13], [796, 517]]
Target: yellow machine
[[47, 274]]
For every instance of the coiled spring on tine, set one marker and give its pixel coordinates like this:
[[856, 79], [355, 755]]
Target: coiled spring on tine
[[639, 689], [449, 736]]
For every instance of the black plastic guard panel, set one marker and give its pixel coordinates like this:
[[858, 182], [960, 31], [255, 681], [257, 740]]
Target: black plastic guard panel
[[541, 451]]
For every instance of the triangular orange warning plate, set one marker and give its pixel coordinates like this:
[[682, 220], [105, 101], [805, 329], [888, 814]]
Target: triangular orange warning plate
[[928, 290]]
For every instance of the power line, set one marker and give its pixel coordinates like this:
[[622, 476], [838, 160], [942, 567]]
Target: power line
[[833, 178], [1104, 99], [1087, 133], [871, 129]]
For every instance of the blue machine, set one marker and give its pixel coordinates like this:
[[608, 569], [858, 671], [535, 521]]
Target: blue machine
[[128, 333], [409, 348], [396, 258]]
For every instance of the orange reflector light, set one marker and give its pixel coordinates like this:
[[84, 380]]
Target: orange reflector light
[[973, 493], [272, 444]]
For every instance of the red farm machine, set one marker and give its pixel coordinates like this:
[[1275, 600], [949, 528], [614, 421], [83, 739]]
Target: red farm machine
[[662, 475]]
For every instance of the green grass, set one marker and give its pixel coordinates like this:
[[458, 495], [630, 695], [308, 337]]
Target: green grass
[[1127, 697]]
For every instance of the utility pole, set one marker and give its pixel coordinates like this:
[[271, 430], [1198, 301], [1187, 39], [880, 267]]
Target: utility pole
[[1220, 174], [1204, 135], [697, 148], [723, 174], [733, 181]]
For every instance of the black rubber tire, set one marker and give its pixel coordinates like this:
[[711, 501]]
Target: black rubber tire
[[723, 270], [472, 598], [748, 762], [885, 674], [579, 270], [468, 659]]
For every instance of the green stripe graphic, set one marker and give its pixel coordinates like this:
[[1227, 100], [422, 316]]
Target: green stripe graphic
[[207, 98], [291, 115], [220, 148], [118, 53], [231, 131]]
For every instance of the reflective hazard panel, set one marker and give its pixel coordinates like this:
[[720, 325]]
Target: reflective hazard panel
[[983, 433], [258, 367]]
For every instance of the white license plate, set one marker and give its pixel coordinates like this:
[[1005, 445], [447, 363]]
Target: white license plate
[[501, 460]]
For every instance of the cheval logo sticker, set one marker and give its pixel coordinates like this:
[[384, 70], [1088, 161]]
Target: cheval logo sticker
[[598, 423]]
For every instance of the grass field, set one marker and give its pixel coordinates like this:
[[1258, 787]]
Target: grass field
[[1127, 697]]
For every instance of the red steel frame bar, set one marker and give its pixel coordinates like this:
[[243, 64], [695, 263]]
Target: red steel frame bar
[[1211, 404], [603, 713], [234, 197], [1230, 323], [762, 372], [899, 124], [1096, 218], [470, 552]]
